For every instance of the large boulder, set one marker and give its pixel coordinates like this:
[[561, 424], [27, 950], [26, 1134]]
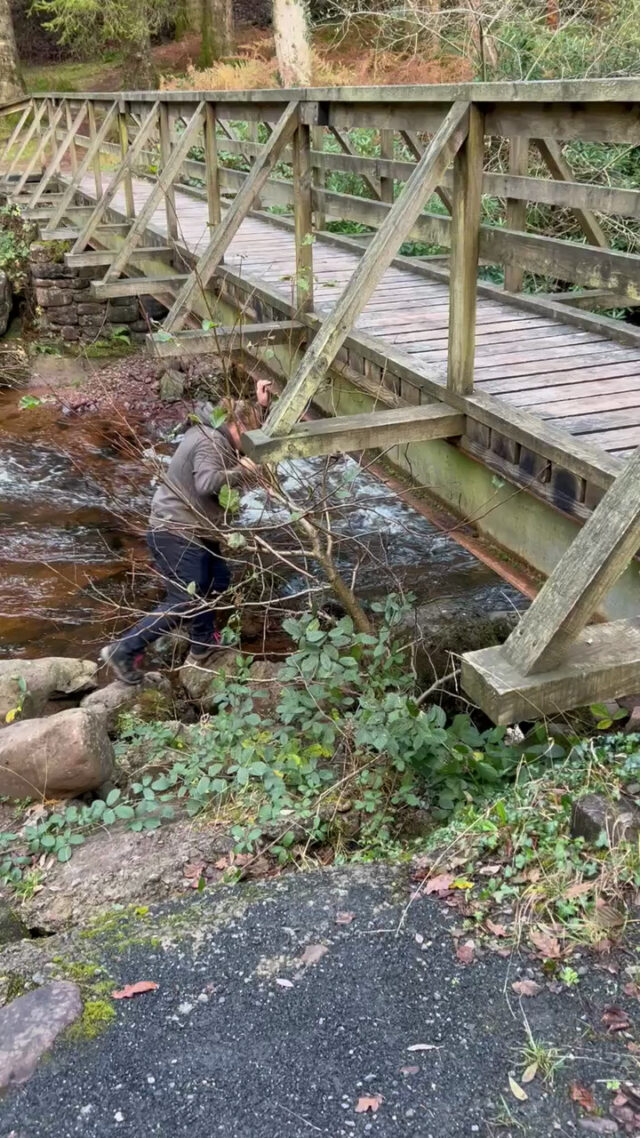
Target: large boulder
[[56, 757], [149, 700], [27, 686], [441, 631], [6, 302]]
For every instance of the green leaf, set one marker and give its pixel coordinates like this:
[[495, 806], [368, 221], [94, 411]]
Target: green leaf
[[64, 853], [113, 796], [47, 841], [162, 337], [218, 417], [229, 499], [124, 811], [108, 817], [192, 588]]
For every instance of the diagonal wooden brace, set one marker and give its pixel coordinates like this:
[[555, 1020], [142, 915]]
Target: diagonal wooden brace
[[33, 127], [233, 218], [48, 136], [89, 157], [17, 130], [123, 169], [54, 164], [166, 178], [376, 260], [584, 574]]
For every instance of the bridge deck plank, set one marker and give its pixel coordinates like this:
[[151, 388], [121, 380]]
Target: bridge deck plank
[[577, 381]]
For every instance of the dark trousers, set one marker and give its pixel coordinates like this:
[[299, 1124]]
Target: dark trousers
[[183, 564]]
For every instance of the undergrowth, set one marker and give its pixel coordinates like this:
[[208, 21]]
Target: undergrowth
[[340, 764]]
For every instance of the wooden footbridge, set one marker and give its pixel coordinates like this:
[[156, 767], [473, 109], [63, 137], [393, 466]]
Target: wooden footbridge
[[519, 410]]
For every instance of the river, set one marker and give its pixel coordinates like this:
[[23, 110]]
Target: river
[[73, 499]]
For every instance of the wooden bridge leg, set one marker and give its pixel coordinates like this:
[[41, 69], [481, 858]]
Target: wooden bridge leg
[[124, 168], [161, 188], [97, 169], [233, 218], [562, 172], [165, 151], [374, 263], [92, 155], [540, 656]]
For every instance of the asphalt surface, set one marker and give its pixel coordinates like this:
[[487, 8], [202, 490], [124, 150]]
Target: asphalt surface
[[223, 1047]]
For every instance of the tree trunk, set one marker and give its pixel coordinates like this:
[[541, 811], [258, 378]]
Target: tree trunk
[[11, 85], [293, 50], [139, 71], [216, 30]]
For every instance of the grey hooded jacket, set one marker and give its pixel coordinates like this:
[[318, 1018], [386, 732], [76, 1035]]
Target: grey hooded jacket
[[187, 498]]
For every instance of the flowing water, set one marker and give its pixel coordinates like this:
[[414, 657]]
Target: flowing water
[[72, 508]]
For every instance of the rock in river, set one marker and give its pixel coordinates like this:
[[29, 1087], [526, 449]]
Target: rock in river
[[30, 684], [59, 756]]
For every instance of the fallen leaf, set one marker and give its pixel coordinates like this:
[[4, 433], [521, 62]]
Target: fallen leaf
[[632, 989], [546, 944], [634, 1048], [222, 863], [135, 989], [440, 884], [526, 987], [496, 930], [517, 1090], [313, 953], [465, 953], [368, 1102], [489, 870], [577, 890], [344, 918], [409, 1070], [284, 983], [603, 946], [423, 1047], [584, 1098], [461, 883], [194, 869], [615, 1019], [529, 1073]]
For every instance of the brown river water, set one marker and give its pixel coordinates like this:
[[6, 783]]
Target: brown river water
[[73, 502]]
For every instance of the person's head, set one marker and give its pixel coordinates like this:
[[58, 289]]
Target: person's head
[[241, 416]]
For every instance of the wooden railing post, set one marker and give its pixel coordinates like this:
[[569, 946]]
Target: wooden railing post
[[165, 155], [303, 216], [97, 169], [516, 212], [386, 151], [465, 239], [318, 175], [73, 154], [211, 160], [123, 131]]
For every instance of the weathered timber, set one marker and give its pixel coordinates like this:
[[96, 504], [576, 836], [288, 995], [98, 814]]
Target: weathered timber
[[16, 132], [210, 259], [516, 208], [560, 169], [591, 565], [376, 259], [92, 155], [41, 147], [162, 186], [136, 286], [99, 257], [465, 223], [602, 663], [204, 343], [377, 429], [26, 139], [132, 154]]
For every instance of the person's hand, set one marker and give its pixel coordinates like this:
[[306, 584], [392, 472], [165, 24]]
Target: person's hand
[[264, 390], [249, 465]]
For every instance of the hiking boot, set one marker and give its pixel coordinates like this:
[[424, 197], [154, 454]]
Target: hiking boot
[[125, 667], [200, 652]]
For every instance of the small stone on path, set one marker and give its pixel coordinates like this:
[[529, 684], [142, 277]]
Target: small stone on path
[[29, 1026]]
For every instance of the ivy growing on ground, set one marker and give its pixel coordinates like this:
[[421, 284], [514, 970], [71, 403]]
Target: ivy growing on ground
[[347, 734]]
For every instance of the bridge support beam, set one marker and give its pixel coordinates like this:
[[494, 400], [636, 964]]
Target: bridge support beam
[[543, 657]]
